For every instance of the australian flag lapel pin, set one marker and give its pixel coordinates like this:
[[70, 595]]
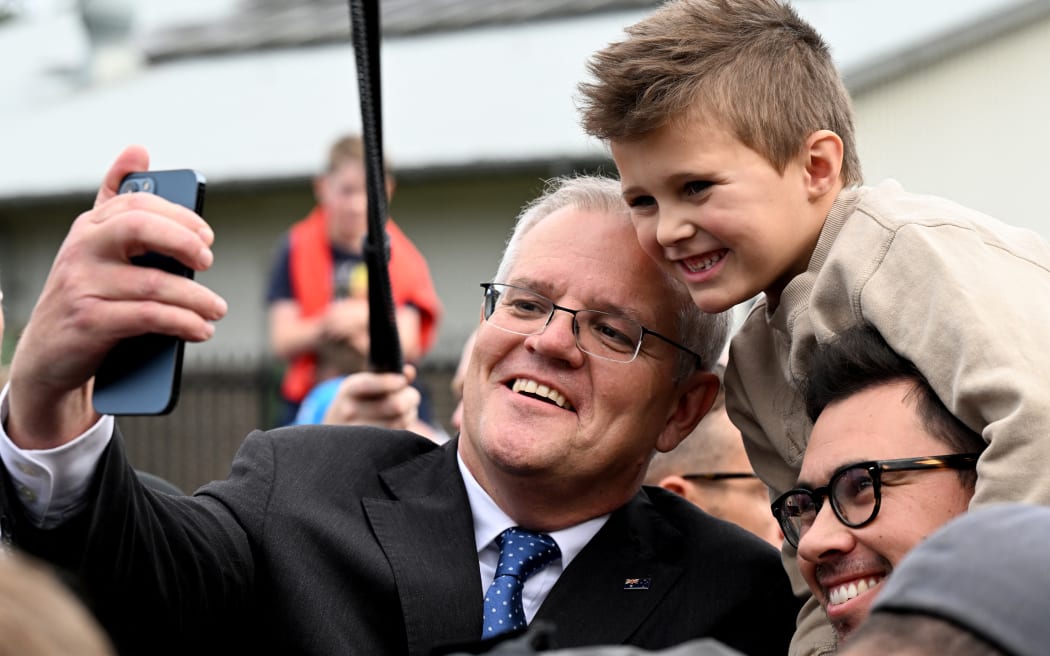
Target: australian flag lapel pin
[[637, 583]]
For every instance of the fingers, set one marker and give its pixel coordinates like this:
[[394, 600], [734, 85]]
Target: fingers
[[111, 320], [346, 319], [95, 295], [384, 400], [361, 342], [94, 267], [368, 385], [133, 224]]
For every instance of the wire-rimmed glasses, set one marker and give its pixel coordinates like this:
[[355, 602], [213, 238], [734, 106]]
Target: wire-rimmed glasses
[[604, 335]]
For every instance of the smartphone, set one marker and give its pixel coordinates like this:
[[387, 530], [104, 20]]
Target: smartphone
[[141, 375]]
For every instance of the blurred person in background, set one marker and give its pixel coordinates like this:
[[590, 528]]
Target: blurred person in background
[[318, 287]]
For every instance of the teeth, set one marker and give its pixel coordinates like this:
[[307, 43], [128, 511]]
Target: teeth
[[843, 593], [696, 265], [532, 387]]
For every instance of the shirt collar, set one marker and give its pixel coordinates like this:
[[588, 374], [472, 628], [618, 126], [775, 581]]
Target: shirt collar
[[490, 521]]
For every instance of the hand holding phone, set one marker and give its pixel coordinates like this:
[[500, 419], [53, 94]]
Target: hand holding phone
[[141, 375]]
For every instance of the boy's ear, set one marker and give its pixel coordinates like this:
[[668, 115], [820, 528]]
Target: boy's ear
[[823, 162]]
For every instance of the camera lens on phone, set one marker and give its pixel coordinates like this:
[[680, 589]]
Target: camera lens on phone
[[138, 184]]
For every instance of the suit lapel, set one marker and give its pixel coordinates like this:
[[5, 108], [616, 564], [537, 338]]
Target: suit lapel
[[427, 533], [617, 581]]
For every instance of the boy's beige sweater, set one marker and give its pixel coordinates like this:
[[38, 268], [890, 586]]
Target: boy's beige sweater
[[963, 296]]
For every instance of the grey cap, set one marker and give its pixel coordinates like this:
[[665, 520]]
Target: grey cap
[[987, 571], [700, 647]]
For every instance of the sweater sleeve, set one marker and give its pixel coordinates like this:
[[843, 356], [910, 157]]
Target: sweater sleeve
[[971, 310], [754, 349]]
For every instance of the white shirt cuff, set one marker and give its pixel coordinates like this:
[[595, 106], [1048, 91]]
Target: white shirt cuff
[[52, 483]]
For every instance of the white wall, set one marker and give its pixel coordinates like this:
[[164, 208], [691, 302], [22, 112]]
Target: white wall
[[974, 128]]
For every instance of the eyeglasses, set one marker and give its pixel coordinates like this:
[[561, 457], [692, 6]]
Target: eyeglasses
[[717, 476], [855, 492], [604, 335]]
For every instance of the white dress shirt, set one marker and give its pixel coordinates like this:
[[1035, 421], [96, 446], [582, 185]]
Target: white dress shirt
[[490, 521], [52, 483]]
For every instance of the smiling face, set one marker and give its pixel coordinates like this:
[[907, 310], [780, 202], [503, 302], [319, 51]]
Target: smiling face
[[592, 446], [719, 216], [844, 566]]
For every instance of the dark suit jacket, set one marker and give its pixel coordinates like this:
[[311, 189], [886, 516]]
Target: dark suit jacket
[[329, 540]]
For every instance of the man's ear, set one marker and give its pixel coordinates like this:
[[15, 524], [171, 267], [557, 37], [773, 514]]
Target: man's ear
[[696, 396], [675, 484], [391, 185], [685, 489], [823, 163]]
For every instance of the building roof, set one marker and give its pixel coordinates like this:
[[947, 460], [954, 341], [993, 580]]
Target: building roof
[[263, 24], [467, 84]]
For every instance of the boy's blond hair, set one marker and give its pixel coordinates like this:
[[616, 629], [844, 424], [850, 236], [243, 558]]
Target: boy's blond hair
[[39, 616], [752, 66], [350, 148]]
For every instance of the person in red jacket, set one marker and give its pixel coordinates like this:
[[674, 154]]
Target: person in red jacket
[[317, 293]]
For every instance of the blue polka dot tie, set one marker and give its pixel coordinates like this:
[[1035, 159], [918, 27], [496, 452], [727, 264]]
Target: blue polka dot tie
[[521, 554]]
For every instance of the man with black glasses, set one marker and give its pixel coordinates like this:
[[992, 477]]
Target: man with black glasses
[[353, 540], [887, 464]]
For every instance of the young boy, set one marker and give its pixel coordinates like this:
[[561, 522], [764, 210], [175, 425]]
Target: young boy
[[733, 135], [318, 288]]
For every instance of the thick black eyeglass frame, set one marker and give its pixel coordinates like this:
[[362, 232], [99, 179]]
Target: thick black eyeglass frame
[[875, 470], [491, 295], [717, 476]]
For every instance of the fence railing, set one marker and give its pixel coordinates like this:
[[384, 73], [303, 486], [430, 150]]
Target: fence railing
[[219, 404]]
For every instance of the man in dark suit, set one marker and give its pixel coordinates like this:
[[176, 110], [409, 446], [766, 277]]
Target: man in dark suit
[[335, 540]]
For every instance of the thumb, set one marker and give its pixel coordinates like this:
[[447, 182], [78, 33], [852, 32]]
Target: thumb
[[131, 160]]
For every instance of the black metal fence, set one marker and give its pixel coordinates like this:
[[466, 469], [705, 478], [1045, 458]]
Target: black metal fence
[[218, 406]]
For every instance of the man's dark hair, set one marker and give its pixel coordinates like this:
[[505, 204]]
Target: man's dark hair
[[858, 359]]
